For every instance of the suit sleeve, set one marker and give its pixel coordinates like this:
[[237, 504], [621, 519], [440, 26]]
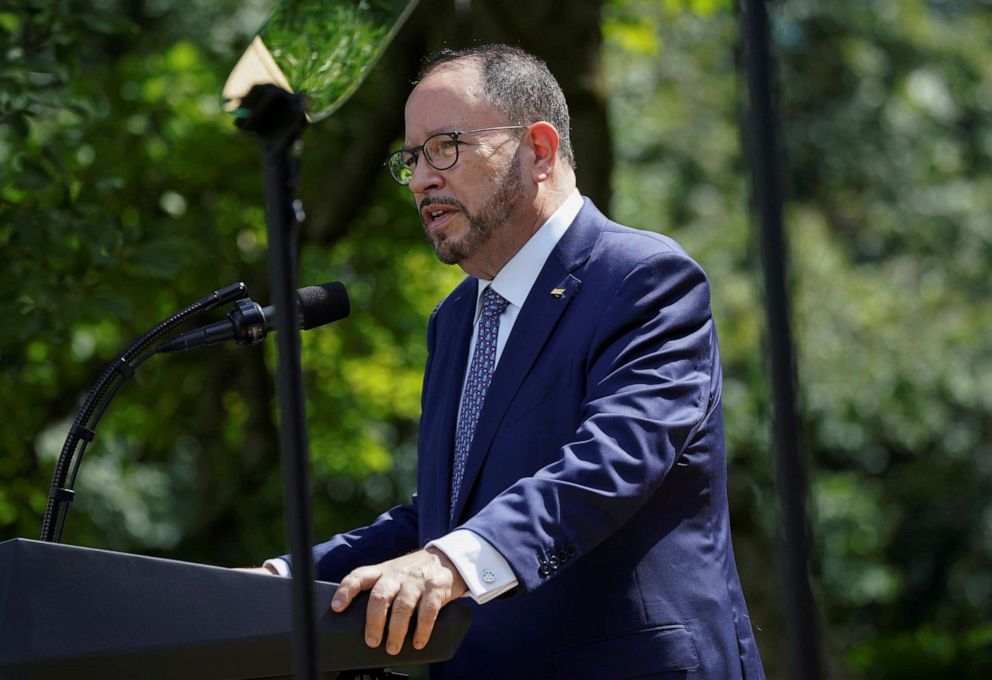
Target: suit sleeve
[[394, 533], [649, 385]]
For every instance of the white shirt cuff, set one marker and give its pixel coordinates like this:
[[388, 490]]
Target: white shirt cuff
[[280, 565], [484, 570]]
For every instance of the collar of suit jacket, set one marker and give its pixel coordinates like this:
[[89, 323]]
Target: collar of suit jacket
[[517, 276]]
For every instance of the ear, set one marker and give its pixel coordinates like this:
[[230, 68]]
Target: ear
[[543, 139]]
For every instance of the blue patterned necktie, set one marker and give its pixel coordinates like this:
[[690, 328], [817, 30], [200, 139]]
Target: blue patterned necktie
[[480, 373]]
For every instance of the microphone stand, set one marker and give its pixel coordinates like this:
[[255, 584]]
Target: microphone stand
[[61, 493], [278, 118]]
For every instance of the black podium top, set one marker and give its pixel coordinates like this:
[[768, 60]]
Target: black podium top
[[67, 611]]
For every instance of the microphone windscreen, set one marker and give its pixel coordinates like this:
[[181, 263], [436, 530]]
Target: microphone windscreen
[[323, 304]]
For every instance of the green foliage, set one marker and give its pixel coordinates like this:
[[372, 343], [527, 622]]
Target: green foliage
[[927, 653], [125, 194], [128, 194], [885, 113], [325, 49], [886, 108], [108, 204], [367, 402]]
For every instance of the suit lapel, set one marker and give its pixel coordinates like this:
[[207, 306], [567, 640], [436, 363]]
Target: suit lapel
[[452, 337], [551, 294]]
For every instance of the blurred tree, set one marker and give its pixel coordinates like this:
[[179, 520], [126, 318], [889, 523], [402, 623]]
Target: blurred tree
[[112, 185], [889, 126], [119, 171], [125, 193]]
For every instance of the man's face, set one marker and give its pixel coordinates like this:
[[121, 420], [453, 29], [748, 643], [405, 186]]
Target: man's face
[[463, 208]]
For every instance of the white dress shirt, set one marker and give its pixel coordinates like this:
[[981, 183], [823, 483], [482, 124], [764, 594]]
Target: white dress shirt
[[484, 570]]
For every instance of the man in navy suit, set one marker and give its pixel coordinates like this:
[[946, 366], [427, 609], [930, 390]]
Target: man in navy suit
[[572, 472]]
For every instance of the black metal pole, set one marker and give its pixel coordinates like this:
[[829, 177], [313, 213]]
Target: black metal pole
[[278, 118], [766, 186]]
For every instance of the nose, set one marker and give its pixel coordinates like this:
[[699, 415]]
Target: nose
[[425, 177]]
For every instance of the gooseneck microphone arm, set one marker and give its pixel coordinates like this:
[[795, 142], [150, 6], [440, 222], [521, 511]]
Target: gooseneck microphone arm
[[248, 323], [82, 429]]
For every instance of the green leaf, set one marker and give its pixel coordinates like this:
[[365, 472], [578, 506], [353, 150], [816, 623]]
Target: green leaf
[[164, 258]]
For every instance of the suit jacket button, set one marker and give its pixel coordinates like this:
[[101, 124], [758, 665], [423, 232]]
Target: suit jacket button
[[544, 570], [562, 556], [570, 550], [553, 561]]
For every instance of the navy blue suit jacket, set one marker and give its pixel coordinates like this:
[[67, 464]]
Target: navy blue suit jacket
[[597, 470]]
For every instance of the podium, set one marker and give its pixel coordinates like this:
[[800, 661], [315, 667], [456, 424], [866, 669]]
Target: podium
[[71, 612]]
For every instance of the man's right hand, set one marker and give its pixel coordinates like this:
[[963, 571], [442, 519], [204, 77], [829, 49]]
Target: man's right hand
[[419, 583]]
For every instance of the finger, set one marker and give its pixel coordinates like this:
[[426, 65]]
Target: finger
[[358, 580], [380, 599], [430, 606], [404, 604]]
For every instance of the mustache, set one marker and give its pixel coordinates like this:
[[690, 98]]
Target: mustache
[[441, 200]]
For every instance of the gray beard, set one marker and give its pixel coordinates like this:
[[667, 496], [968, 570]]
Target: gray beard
[[482, 225]]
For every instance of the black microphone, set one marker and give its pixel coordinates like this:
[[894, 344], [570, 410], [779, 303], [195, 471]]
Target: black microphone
[[248, 323]]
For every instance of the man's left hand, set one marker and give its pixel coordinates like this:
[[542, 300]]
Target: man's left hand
[[421, 582]]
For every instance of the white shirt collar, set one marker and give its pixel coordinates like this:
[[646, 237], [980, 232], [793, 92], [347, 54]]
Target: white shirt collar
[[517, 276]]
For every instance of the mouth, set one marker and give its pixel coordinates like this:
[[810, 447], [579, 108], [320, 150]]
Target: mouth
[[436, 215]]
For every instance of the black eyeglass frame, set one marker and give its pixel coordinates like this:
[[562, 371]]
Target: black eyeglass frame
[[395, 164]]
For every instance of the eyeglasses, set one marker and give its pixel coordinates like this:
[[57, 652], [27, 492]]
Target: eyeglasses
[[440, 151]]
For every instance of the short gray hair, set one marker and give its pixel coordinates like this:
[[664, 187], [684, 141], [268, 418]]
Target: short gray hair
[[517, 84]]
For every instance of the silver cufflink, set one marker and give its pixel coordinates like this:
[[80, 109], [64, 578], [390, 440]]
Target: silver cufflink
[[488, 576]]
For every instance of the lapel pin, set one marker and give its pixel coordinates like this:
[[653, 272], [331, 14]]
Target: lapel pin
[[557, 292]]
